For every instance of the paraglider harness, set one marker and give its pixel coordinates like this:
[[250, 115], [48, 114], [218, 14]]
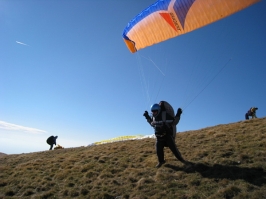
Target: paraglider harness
[[170, 127], [251, 112], [168, 124]]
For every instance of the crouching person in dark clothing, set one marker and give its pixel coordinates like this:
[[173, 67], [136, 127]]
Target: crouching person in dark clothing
[[164, 134], [51, 141]]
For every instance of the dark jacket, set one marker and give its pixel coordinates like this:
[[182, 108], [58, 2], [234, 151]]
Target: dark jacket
[[51, 140]]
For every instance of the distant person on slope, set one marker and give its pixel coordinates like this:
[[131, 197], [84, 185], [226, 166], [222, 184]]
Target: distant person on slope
[[163, 132], [51, 141], [251, 113]]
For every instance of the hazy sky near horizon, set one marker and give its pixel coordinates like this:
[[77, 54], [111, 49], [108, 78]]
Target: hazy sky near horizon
[[66, 71]]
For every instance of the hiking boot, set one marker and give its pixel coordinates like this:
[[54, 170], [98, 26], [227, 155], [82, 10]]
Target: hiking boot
[[160, 164]]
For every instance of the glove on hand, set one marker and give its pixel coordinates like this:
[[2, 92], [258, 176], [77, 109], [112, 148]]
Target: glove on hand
[[179, 112], [146, 115]]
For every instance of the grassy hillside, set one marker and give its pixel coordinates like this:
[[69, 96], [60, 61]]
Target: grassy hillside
[[229, 162]]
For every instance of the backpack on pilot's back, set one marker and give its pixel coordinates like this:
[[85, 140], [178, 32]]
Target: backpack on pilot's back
[[167, 108]]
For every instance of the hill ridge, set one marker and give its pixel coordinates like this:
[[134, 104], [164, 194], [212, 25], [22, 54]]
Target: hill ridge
[[229, 162]]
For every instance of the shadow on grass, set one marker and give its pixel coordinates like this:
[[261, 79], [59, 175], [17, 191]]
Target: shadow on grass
[[255, 176]]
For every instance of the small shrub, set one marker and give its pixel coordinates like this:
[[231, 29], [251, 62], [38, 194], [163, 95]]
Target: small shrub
[[9, 193], [65, 192], [3, 183], [84, 191]]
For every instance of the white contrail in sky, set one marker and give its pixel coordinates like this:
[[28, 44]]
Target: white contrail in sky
[[18, 42], [14, 127]]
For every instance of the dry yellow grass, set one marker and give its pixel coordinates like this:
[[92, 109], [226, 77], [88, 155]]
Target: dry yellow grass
[[229, 162]]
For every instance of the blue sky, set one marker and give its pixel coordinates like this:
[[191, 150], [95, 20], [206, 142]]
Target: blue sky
[[66, 71]]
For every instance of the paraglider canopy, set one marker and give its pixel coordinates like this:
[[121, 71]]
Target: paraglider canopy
[[166, 19]]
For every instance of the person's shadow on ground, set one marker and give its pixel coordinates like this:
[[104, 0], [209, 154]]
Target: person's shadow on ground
[[255, 176]]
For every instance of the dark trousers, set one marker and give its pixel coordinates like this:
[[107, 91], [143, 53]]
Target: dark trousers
[[167, 140], [51, 146]]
